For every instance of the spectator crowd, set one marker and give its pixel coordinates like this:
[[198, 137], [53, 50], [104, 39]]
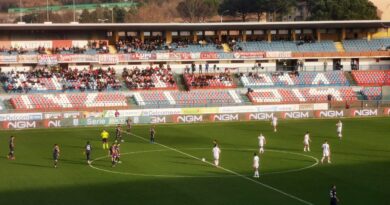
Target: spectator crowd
[[43, 78], [149, 78]]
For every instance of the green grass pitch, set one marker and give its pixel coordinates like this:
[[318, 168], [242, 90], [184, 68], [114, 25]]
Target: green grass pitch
[[155, 174]]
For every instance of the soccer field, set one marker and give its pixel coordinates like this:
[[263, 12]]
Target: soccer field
[[172, 172]]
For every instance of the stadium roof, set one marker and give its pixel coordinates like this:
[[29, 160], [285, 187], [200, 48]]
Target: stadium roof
[[200, 26]]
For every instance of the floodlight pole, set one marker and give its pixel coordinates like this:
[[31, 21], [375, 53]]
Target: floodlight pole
[[47, 10], [223, 14], [112, 12], [74, 11], [20, 11]]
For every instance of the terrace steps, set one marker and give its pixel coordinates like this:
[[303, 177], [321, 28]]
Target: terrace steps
[[112, 49], [339, 46], [226, 48], [350, 79]]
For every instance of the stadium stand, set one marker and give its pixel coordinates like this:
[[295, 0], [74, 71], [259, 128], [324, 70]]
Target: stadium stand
[[53, 47], [365, 45], [371, 77], [68, 101], [157, 45], [149, 78], [44, 79], [281, 79], [300, 46], [302, 95], [371, 93], [191, 98], [209, 80]]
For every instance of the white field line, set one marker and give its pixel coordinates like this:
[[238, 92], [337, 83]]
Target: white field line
[[209, 176], [228, 170]]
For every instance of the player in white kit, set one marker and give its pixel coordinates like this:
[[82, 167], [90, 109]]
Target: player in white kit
[[256, 164], [306, 142], [216, 153], [325, 152], [262, 142], [339, 126], [275, 123]]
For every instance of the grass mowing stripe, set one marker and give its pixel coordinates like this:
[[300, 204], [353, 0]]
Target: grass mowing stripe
[[227, 170]]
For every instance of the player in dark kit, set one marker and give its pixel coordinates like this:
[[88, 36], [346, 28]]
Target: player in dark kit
[[128, 123], [11, 144], [88, 149], [56, 154], [118, 153], [113, 153], [333, 197], [118, 134], [152, 134]]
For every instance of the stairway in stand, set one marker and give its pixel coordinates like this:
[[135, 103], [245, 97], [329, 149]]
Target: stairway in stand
[[339, 46]]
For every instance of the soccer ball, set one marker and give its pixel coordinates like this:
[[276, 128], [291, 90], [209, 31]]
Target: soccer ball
[[203, 159]]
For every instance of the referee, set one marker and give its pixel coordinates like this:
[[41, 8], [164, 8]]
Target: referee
[[105, 136], [333, 197]]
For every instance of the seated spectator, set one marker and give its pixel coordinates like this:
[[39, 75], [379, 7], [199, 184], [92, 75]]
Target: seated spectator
[[149, 78], [43, 78], [209, 80]]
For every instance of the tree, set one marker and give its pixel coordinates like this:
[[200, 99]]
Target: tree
[[85, 17], [260, 7], [240, 8], [119, 15], [274, 7], [342, 10], [196, 10]]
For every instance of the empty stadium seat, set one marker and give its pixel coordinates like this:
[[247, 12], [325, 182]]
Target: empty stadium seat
[[188, 98], [70, 101], [332, 78], [365, 45], [302, 95], [322, 46], [371, 77], [372, 93]]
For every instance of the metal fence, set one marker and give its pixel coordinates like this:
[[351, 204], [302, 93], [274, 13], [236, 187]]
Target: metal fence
[[194, 104]]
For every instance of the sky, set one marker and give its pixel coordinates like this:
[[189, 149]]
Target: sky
[[384, 6]]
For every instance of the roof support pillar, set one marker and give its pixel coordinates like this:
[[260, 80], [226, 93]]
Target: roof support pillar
[[168, 37], [243, 33], [318, 35], [343, 34], [293, 35], [269, 36]]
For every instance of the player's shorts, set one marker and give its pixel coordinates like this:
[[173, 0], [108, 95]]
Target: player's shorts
[[261, 145], [55, 157], [114, 156], [256, 166], [216, 157], [274, 124], [325, 154], [88, 155], [339, 130], [11, 148], [104, 140], [306, 142]]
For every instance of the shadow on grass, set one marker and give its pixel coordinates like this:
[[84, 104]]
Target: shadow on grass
[[88, 188], [32, 165]]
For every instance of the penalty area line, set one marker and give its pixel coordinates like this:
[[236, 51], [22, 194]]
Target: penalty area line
[[227, 170]]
